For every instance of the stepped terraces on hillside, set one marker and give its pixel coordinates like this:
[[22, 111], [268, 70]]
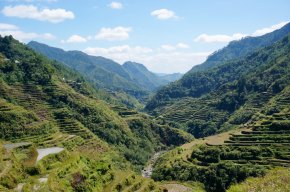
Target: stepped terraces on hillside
[[130, 182], [124, 112], [72, 127], [194, 109], [30, 98], [268, 143]]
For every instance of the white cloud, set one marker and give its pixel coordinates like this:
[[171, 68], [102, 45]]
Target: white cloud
[[116, 5], [169, 62], [263, 31], [5, 26], [221, 38], [75, 39], [182, 46], [168, 47], [47, 36], [163, 14], [112, 34], [154, 59], [120, 53], [8, 29], [20, 35], [32, 12], [218, 38]]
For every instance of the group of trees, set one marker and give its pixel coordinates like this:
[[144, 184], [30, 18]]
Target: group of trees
[[208, 165], [216, 177], [20, 64]]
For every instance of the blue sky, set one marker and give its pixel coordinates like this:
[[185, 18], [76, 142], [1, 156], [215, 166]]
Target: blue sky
[[166, 35]]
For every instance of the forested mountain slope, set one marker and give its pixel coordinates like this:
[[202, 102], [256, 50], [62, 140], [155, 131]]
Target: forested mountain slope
[[45, 104], [227, 95], [143, 76], [170, 77], [102, 72], [132, 78]]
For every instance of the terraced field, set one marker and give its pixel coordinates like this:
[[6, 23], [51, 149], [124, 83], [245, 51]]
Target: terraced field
[[223, 159], [214, 109], [49, 126], [191, 109], [131, 182], [259, 133], [124, 112]]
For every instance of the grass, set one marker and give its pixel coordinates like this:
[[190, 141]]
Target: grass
[[177, 186], [277, 180]]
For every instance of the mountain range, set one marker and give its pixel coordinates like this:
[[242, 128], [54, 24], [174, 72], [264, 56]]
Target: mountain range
[[132, 78]]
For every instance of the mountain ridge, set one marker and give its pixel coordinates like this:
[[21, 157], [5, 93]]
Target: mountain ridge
[[106, 73]]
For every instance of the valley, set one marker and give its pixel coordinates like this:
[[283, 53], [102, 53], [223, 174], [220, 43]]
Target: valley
[[70, 121]]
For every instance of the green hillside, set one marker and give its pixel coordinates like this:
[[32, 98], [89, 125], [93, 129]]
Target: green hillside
[[225, 96], [44, 104], [257, 148], [102, 72], [275, 180], [132, 79], [143, 76]]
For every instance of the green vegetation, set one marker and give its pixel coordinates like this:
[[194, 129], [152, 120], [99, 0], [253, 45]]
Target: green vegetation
[[250, 92], [276, 180], [147, 79], [228, 95], [132, 79], [249, 154], [45, 104]]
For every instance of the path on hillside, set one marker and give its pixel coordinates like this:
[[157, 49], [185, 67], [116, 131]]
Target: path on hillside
[[6, 169], [217, 139]]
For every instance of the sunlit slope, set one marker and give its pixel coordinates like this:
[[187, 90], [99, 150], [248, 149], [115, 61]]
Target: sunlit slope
[[228, 95], [228, 158]]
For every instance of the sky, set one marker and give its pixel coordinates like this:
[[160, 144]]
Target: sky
[[167, 36]]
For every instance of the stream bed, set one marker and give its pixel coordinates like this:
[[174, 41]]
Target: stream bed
[[148, 170]]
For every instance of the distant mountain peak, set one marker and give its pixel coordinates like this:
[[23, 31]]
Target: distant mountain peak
[[131, 77]]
